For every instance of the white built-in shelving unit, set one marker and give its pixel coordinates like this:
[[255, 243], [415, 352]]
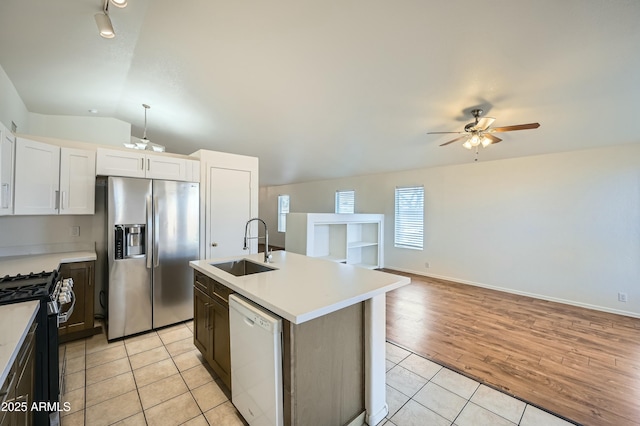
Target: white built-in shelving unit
[[354, 239]]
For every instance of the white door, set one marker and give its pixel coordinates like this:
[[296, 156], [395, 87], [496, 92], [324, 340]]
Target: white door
[[229, 209], [7, 155], [37, 179], [112, 162], [77, 181]]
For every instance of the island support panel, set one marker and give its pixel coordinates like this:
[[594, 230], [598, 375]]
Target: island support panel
[[324, 369]]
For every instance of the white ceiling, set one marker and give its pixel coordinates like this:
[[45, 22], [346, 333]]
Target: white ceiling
[[323, 89]]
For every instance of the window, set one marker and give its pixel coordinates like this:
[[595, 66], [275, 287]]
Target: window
[[345, 201], [283, 209], [409, 218]]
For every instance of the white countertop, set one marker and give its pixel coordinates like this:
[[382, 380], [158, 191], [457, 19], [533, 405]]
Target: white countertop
[[303, 288], [13, 265], [15, 320]]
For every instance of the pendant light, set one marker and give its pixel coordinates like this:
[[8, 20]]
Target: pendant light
[[144, 142]]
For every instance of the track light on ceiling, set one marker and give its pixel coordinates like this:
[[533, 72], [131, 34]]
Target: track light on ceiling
[[104, 21], [104, 25]]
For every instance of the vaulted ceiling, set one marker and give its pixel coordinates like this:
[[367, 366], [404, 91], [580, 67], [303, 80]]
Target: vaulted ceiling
[[323, 89]]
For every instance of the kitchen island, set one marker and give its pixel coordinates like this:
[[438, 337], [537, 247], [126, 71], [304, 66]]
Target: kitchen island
[[333, 333]]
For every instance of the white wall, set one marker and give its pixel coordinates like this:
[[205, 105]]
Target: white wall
[[562, 227], [42, 234], [12, 108], [100, 130]]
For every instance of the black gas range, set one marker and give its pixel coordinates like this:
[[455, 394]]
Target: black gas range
[[52, 292]]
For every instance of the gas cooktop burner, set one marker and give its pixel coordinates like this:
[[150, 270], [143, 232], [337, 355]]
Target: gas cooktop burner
[[20, 277], [24, 287]]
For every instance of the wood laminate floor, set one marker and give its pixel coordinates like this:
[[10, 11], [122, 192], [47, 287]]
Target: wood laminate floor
[[578, 363]]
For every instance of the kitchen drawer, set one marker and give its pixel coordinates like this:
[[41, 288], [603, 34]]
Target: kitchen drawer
[[221, 291], [201, 282]]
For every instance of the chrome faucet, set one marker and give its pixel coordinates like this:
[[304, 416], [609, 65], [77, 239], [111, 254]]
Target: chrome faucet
[[267, 252]]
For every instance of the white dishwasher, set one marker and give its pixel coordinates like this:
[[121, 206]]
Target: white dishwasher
[[256, 362]]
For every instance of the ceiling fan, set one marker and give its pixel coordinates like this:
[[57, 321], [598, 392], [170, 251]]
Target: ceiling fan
[[480, 131]]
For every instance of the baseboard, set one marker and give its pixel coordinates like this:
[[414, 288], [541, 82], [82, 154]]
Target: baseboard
[[520, 293]]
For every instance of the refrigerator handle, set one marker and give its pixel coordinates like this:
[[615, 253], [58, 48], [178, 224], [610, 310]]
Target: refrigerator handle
[[156, 220], [149, 234]]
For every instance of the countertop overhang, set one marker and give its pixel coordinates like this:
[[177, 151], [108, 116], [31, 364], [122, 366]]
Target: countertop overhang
[[303, 288]]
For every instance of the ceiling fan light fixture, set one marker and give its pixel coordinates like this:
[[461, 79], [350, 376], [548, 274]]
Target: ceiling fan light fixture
[[474, 140], [119, 3], [486, 141], [104, 25], [467, 144]]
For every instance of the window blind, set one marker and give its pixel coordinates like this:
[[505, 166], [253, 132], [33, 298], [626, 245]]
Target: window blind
[[283, 209], [345, 201], [409, 217]]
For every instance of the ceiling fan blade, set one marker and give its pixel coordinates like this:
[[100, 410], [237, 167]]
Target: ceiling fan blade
[[443, 133], [454, 140], [515, 127], [494, 139], [483, 123]]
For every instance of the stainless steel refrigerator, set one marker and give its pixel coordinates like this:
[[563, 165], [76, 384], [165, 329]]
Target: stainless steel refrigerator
[[152, 234]]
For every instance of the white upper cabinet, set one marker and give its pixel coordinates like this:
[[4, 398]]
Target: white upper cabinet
[[171, 168], [113, 162], [77, 181], [37, 177], [7, 158], [53, 180]]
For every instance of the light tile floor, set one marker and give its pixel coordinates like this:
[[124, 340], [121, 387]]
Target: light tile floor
[[160, 378], [421, 392], [157, 378]]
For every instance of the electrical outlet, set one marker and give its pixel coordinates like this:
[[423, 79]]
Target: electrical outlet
[[74, 231], [426, 265], [622, 297]]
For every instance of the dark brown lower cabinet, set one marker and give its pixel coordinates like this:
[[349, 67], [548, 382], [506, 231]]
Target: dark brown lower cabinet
[[80, 324], [16, 394], [211, 324]]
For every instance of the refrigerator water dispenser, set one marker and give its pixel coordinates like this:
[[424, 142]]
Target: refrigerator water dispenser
[[129, 241]]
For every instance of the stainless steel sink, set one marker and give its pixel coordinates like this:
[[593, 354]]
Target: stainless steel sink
[[242, 267]]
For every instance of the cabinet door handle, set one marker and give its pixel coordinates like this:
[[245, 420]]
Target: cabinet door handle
[[148, 164], [206, 323], [214, 244], [142, 164], [57, 199], [63, 200], [5, 195]]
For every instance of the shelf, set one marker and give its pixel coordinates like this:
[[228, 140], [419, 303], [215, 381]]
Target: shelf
[[357, 244], [354, 239]]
